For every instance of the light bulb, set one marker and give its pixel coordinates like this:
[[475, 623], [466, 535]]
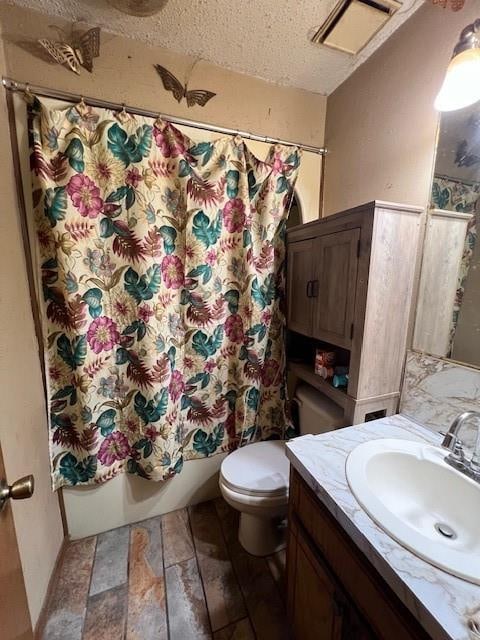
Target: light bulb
[[461, 86]]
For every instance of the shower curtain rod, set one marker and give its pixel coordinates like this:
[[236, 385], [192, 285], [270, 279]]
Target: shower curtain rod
[[23, 87]]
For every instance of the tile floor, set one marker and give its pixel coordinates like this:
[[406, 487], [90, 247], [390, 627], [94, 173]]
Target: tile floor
[[180, 576]]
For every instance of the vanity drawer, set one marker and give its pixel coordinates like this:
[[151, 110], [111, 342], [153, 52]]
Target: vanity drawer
[[387, 616]]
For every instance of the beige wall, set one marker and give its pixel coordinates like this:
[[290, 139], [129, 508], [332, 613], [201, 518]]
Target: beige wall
[[123, 73], [381, 124], [23, 424]]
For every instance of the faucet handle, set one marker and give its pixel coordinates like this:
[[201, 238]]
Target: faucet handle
[[475, 461], [457, 458], [450, 440], [458, 453]]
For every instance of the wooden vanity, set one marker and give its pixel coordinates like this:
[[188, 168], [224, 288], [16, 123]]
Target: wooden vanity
[[333, 591]]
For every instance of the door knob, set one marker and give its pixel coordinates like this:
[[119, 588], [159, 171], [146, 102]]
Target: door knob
[[19, 490]]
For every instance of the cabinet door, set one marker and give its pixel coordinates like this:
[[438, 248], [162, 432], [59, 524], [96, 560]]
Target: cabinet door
[[353, 626], [299, 281], [315, 608], [336, 262]]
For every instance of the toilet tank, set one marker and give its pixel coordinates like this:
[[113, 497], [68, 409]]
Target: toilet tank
[[316, 412]]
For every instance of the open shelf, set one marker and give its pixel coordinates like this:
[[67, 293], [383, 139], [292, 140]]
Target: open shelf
[[306, 373]]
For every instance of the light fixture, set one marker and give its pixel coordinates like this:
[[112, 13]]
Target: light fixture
[[461, 86]]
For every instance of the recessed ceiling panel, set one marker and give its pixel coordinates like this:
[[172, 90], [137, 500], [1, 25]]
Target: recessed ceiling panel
[[353, 23], [356, 27]]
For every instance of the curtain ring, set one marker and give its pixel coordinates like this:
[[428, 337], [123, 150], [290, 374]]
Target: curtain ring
[[81, 107], [238, 138], [27, 94], [123, 116]]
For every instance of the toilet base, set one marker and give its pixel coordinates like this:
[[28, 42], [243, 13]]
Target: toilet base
[[261, 536]]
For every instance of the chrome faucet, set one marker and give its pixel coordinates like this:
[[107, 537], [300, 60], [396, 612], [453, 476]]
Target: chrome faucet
[[456, 457]]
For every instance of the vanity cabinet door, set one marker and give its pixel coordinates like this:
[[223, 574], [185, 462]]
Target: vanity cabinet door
[[353, 626], [335, 284], [361, 602], [300, 286], [314, 604]]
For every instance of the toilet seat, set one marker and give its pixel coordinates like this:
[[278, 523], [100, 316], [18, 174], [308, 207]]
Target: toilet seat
[[258, 470]]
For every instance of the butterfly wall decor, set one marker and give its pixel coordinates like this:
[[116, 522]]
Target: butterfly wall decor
[[180, 91], [77, 51], [464, 157]]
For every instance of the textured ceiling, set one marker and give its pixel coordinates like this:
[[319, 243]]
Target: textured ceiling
[[267, 39]]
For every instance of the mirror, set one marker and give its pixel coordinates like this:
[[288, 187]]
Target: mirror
[[448, 313]]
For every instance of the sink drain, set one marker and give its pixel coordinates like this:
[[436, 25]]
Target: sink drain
[[445, 530]]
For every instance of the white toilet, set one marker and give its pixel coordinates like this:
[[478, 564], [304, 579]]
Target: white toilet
[[254, 479]]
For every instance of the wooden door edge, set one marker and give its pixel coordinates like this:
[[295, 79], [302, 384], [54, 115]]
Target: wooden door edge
[[38, 632]]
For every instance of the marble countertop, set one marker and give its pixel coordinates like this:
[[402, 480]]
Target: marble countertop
[[441, 602]]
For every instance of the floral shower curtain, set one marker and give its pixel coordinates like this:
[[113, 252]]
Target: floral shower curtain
[[467, 255], [455, 195], [162, 271]]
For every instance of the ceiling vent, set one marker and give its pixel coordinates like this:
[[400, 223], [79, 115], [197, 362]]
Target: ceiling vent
[[353, 23]]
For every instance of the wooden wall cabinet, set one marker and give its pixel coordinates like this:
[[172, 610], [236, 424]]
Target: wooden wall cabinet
[[333, 592], [350, 283], [300, 260], [323, 269], [336, 265]]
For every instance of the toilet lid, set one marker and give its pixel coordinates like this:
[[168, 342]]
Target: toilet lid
[[259, 469]]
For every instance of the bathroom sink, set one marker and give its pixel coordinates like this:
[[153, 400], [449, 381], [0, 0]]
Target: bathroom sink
[[420, 501]]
